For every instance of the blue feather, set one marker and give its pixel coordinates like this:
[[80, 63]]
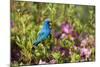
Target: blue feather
[[44, 33]]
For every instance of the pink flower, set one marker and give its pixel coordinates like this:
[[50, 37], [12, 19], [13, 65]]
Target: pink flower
[[64, 36], [67, 28], [84, 42], [53, 61], [68, 31], [76, 48], [42, 62], [85, 52]]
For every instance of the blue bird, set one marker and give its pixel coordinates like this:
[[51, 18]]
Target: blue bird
[[44, 33]]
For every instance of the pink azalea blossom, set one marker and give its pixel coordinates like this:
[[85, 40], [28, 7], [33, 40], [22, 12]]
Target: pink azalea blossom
[[42, 62], [67, 28], [53, 61], [85, 52], [76, 48], [64, 35], [84, 42], [68, 31]]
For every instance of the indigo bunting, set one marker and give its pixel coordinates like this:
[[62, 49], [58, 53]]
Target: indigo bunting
[[44, 33]]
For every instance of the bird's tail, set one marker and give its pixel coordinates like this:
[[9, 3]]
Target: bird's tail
[[36, 43]]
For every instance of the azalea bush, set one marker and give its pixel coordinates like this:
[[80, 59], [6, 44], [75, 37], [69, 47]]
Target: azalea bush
[[72, 37]]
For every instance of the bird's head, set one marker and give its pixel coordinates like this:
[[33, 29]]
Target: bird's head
[[47, 21]]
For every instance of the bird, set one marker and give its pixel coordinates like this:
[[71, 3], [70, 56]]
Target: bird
[[45, 32]]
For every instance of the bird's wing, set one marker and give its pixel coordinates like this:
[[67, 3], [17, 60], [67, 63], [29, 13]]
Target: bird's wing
[[41, 35], [39, 38]]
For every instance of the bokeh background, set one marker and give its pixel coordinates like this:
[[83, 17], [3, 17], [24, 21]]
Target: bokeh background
[[72, 38]]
